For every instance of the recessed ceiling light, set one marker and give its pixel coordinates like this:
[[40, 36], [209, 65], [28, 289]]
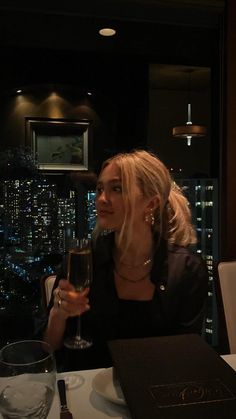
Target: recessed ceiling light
[[19, 91], [107, 32]]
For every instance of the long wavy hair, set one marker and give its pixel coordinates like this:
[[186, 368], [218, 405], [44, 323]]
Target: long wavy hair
[[172, 217]]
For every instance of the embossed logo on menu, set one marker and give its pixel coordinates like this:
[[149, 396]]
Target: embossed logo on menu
[[179, 394]]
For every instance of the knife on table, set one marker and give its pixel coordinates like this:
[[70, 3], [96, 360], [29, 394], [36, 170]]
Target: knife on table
[[64, 413]]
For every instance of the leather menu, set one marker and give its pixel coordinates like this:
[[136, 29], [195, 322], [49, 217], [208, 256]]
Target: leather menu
[[180, 377]]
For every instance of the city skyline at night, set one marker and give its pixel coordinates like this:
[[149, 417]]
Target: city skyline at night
[[37, 223], [36, 226]]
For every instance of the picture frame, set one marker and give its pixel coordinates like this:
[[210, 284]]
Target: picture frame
[[59, 144]]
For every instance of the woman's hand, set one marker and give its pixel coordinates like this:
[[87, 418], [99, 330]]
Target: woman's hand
[[68, 301]]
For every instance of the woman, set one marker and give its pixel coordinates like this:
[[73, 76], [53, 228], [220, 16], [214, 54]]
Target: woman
[[147, 282]]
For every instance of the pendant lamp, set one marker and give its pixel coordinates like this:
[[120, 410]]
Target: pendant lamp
[[189, 130]]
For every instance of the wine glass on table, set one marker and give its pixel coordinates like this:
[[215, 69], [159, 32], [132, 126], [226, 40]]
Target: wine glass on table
[[79, 273], [27, 379]]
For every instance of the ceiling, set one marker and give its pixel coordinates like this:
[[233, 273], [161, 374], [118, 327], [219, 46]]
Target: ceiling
[[143, 27], [179, 77], [189, 12]]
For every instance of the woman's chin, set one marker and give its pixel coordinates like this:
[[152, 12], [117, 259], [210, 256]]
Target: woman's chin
[[103, 225]]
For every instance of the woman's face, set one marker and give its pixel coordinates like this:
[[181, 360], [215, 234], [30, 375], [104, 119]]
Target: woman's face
[[109, 199]]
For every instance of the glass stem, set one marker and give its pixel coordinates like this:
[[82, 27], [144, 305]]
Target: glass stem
[[78, 329]]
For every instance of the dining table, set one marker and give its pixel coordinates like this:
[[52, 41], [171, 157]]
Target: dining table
[[85, 402]]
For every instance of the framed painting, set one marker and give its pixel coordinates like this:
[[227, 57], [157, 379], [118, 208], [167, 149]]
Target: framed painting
[[59, 144]]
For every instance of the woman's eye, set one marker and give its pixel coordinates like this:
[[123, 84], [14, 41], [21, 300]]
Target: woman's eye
[[99, 189], [117, 188]]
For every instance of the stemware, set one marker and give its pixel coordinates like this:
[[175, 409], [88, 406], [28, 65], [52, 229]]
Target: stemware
[[79, 273], [27, 379]]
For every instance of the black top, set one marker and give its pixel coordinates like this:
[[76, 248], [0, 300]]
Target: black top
[[177, 307]]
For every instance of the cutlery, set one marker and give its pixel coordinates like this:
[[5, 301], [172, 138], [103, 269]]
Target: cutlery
[[64, 413]]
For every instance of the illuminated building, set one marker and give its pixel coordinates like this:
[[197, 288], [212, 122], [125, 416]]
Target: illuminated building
[[91, 211], [30, 215], [66, 220], [203, 198], [35, 223]]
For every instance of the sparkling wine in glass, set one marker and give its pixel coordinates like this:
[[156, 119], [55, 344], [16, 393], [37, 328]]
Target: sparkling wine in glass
[[27, 379], [79, 273]]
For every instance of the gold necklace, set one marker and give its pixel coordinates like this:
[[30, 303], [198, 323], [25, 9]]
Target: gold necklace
[[145, 263], [131, 280]]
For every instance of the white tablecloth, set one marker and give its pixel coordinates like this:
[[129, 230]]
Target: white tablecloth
[[85, 403]]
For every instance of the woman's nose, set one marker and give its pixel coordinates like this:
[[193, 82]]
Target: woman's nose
[[103, 197]]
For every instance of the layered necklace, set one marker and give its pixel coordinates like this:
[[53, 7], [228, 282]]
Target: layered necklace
[[131, 280], [147, 262]]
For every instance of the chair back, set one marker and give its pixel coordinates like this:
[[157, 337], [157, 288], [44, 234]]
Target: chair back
[[227, 278], [47, 283]]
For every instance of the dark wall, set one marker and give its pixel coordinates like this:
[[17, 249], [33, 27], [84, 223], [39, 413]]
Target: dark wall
[[117, 106], [39, 46], [60, 46], [228, 146]]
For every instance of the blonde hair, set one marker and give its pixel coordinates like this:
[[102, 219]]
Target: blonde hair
[[172, 218]]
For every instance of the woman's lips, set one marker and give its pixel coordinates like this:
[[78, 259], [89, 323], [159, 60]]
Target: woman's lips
[[104, 212]]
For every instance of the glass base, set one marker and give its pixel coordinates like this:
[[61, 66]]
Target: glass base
[[73, 380], [77, 343]]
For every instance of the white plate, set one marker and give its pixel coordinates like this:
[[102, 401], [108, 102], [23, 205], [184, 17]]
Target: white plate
[[105, 385]]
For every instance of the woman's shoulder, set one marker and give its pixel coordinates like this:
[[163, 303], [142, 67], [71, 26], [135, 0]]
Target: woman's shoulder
[[187, 260], [169, 251], [189, 254], [174, 261]]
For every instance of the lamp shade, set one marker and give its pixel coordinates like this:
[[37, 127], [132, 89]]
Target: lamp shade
[[184, 131]]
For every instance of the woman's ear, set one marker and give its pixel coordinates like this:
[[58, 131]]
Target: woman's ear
[[153, 204]]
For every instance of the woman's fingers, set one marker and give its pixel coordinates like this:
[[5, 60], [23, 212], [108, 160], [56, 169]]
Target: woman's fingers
[[66, 285], [72, 302], [73, 309], [75, 296]]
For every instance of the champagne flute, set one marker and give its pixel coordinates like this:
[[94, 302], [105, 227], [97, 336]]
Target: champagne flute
[[27, 379], [79, 273]]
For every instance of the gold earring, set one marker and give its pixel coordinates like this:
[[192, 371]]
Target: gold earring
[[152, 218], [149, 218]]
